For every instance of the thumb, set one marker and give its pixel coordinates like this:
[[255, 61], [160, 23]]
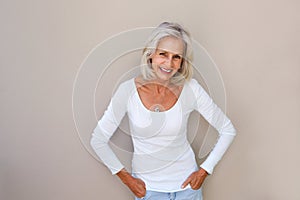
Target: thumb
[[186, 182]]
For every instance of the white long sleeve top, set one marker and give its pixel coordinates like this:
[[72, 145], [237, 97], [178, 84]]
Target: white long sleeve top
[[163, 157]]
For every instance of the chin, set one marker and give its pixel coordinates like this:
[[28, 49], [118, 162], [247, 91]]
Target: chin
[[164, 78]]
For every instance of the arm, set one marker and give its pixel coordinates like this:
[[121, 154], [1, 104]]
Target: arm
[[106, 127], [104, 131], [215, 117]]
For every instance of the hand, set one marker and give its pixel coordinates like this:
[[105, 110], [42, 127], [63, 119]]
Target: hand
[[136, 185], [195, 179]]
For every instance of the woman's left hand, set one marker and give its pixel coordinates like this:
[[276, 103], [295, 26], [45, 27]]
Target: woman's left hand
[[195, 179]]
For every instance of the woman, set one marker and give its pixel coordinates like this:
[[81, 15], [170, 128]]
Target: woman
[[158, 104]]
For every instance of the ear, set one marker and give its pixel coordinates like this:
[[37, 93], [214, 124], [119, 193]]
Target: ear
[[149, 57]]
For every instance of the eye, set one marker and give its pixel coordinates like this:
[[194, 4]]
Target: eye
[[162, 54], [177, 57]]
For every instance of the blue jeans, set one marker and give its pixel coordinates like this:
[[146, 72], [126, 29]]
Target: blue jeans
[[188, 194]]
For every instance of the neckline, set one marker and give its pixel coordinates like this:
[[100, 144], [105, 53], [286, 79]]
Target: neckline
[[145, 108]]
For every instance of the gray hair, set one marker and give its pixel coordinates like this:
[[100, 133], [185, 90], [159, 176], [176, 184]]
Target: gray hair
[[166, 29]]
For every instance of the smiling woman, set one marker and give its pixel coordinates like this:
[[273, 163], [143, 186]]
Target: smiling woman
[[167, 59], [161, 41], [161, 95], [158, 104]]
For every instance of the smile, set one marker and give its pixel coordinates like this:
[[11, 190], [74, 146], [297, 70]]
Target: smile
[[165, 70]]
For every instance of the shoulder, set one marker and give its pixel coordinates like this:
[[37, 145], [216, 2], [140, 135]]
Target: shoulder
[[127, 84], [193, 84], [125, 88]]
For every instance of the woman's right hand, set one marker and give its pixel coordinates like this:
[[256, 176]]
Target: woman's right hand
[[136, 185]]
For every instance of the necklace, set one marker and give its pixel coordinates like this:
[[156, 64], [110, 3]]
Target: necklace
[[156, 109], [156, 97]]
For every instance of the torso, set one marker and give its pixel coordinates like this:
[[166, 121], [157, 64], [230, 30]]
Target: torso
[[157, 97], [161, 148]]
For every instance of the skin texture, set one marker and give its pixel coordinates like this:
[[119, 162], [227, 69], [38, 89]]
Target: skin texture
[[166, 61], [153, 95], [137, 186], [196, 179]]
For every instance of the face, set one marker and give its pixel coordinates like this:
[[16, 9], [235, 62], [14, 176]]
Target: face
[[167, 58]]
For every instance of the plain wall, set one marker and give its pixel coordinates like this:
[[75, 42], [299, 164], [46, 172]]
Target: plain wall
[[255, 44]]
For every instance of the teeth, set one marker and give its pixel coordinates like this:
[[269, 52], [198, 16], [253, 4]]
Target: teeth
[[166, 70]]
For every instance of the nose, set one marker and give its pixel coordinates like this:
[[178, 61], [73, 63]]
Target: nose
[[168, 61]]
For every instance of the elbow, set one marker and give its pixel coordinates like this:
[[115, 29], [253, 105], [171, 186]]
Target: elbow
[[98, 140], [93, 142], [234, 132], [231, 129]]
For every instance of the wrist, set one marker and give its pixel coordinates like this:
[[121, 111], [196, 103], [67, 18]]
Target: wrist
[[124, 176], [203, 172]]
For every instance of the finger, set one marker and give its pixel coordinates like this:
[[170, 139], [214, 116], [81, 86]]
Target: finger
[[142, 186], [142, 183], [186, 182], [141, 189], [143, 193], [192, 183], [197, 184], [139, 196]]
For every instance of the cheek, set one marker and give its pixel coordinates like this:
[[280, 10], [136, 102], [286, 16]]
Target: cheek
[[177, 64], [156, 60]]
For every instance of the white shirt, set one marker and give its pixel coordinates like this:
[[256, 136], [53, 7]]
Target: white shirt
[[163, 157]]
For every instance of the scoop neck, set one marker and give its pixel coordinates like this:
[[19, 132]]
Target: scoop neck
[[145, 108]]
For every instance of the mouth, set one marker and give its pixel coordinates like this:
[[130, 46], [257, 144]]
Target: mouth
[[165, 70]]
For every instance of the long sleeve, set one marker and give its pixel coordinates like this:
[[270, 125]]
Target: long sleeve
[[106, 127], [215, 117]]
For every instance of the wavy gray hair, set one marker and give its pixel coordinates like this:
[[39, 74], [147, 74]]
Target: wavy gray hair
[[166, 29]]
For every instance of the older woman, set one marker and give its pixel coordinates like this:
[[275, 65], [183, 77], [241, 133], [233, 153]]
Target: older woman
[[158, 104]]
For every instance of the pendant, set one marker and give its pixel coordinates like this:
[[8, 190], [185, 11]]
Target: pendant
[[156, 109]]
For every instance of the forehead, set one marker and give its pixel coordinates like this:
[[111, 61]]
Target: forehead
[[171, 44]]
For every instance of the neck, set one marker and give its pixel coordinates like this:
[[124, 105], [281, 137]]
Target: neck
[[159, 82], [156, 84]]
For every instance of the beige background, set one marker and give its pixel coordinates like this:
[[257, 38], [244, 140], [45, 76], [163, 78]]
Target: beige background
[[254, 43]]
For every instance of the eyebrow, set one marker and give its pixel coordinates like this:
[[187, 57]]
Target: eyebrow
[[166, 51]]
